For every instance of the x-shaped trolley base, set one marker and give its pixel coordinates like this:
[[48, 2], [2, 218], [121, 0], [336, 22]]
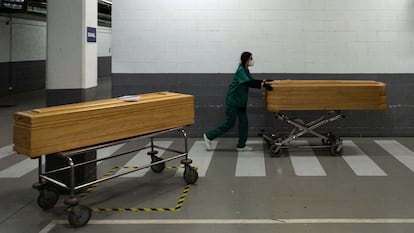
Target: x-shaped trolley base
[[329, 141]]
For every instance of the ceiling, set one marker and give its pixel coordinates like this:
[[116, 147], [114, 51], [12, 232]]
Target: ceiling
[[39, 8]]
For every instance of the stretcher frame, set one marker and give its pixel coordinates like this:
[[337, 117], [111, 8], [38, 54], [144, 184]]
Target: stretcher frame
[[329, 140], [79, 215], [312, 95]]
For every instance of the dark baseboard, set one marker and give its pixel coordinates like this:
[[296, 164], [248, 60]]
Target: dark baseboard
[[210, 89]]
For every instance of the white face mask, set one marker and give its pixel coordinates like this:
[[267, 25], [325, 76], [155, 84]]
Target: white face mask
[[251, 63]]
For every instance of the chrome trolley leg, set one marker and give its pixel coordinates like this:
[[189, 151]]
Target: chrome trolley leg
[[190, 173]]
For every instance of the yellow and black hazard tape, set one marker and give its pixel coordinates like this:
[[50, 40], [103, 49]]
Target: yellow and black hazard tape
[[182, 197], [176, 208], [92, 187], [168, 167], [131, 209], [113, 170]]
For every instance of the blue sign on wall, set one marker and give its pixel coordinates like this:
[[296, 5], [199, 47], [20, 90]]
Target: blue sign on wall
[[91, 34]]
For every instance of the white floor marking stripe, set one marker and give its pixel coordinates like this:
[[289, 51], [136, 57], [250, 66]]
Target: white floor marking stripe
[[141, 159], [200, 156], [6, 151], [304, 162], [249, 221], [354, 221], [251, 163], [360, 162], [53, 223], [400, 152], [105, 152], [20, 169]]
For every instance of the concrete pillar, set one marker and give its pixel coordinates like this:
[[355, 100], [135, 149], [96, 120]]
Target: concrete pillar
[[71, 66]]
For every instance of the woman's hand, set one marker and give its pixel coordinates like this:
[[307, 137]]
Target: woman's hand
[[267, 84]]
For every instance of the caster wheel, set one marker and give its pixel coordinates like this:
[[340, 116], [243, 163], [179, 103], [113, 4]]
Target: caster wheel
[[266, 141], [331, 139], [39, 185], [337, 150], [79, 215], [274, 136], [275, 150], [190, 175], [47, 198], [158, 167]]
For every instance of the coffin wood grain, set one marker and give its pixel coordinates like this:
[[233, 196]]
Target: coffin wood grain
[[326, 95], [65, 127]]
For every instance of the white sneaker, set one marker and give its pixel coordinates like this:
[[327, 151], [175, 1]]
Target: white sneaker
[[207, 142], [245, 148]]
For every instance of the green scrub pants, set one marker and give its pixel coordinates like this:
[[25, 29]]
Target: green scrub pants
[[231, 114]]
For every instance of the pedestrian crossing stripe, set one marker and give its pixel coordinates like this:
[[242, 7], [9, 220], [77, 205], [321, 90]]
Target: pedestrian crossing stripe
[[305, 162], [107, 151], [360, 163], [251, 163], [20, 169], [398, 151], [92, 187], [200, 156], [141, 159], [6, 151]]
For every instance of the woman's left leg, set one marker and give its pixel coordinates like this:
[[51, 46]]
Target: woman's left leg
[[243, 128]]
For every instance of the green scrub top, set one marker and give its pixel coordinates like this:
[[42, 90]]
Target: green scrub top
[[238, 91]]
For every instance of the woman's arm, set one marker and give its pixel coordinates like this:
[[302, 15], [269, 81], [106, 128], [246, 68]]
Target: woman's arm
[[259, 83], [254, 83]]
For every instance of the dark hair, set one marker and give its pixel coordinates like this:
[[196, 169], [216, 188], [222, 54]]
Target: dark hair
[[244, 58]]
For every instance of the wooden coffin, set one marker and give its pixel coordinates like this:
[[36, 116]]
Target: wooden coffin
[[65, 127], [326, 95]]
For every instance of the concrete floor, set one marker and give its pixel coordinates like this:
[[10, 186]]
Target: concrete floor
[[368, 189]]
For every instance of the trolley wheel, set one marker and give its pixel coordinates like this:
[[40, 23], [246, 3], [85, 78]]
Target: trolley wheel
[[39, 185], [47, 198], [157, 168], [275, 150], [331, 139], [79, 215], [337, 150], [268, 143], [190, 175]]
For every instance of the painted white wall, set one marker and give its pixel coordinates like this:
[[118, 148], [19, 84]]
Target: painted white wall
[[4, 40], [71, 60], [104, 41], [29, 40], [90, 49], [301, 36], [64, 50]]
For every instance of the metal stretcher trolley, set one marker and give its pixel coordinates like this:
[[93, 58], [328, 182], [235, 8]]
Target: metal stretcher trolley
[[330, 95], [69, 130]]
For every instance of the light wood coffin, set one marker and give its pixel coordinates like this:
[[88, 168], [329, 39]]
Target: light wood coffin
[[65, 127], [326, 95]]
